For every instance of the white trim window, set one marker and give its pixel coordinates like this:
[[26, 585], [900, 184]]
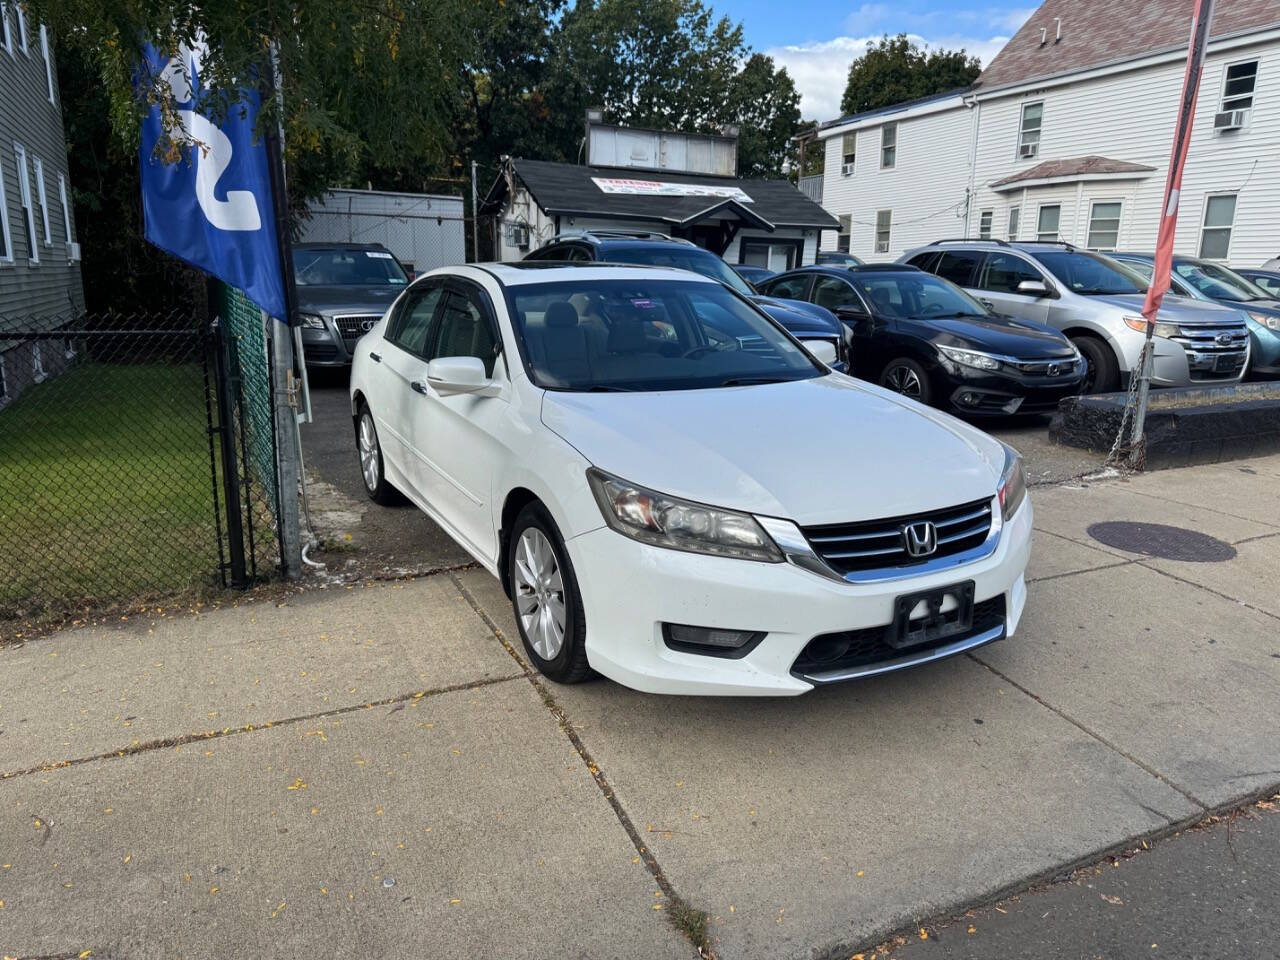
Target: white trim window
[[48, 61], [1029, 126], [66, 209], [1015, 212], [984, 224], [1215, 229], [7, 35], [24, 196], [6, 238], [22, 29], [38, 169], [1048, 217], [1239, 81], [1104, 224], [889, 146], [846, 230], [848, 153], [884, 226]]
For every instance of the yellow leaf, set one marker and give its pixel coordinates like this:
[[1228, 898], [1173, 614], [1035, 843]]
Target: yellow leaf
[[972, 929], [924, 934], [128, 857], [213, 890], [85, 953], [455, 901], [657, 906], [297, 785], [859, 873]]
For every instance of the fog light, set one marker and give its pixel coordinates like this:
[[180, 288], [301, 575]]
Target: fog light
[[830, 647], [969, 398], [711, 641]]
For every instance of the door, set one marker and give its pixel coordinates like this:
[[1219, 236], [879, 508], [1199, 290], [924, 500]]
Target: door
[[997, 287], [794, 287], [404, 361], [838, 296]]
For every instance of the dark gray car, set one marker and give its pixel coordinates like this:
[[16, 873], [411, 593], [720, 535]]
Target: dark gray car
[[343, 290]]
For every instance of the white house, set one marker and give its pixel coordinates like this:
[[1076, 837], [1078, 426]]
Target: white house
[[1067, 134]]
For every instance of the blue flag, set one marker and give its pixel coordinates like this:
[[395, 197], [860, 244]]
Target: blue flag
[[213, 207]]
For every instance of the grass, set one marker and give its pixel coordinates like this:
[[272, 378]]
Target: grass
[[105, 487]]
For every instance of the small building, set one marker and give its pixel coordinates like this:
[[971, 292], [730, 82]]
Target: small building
[[423, 230], [677, 184]]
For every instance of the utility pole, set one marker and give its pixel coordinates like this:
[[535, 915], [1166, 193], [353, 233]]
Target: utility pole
[[475, 218]]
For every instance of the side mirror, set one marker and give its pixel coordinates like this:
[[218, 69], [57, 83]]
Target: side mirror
[[449, 376], [1035, 288], [851, 315], [822, 350]]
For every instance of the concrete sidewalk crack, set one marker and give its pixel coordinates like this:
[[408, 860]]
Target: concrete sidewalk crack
[[182, 739], [689, 921], [1201, 506], [1217, 593], [1146, 767]]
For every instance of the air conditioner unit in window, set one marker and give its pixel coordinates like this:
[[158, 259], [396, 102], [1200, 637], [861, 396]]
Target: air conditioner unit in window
[[1028, 150], [846, 169], [73, 252], [519, 236], [1229, 120]]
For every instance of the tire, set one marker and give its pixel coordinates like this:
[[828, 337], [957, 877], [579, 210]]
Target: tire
[[369, 451], [1102, 373], [540, 573], [903, 375]]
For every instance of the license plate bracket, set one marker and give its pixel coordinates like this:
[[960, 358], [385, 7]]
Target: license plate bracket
[[940, 613], [1224, 364]]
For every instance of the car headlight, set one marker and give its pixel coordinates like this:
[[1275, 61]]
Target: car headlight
[[970, 358], [1268, 320], [312, 320], [1162, 329], [663, 521], [1013, 483]]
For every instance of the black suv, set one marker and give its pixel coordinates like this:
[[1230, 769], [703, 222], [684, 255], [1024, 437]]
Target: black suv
[[804, 321]]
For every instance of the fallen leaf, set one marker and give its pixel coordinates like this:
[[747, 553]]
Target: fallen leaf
[[924, 934], [213, 890], [455, 901], [85, 953], [297, 785], [1114, 901], [972, 929]]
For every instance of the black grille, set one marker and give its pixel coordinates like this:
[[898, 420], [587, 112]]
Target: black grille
[[352, 326], [849, 649], [319, 352], [876, 544]]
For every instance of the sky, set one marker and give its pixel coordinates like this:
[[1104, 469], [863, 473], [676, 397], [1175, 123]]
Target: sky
[[816, 39]]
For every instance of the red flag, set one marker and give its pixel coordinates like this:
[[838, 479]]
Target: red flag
[[1177, 160]]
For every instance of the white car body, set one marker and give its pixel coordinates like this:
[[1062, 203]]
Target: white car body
[[826, 450]]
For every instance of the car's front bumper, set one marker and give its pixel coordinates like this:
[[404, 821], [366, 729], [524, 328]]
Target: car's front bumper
[[993, 395], [324, 348], [630, 589], [1264, 351]]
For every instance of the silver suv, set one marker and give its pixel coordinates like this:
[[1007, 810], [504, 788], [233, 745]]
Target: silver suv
[[1097, 303]]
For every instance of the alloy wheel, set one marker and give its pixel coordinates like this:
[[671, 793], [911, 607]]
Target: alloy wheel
[[368, 443], [539, 593], [903, 380]]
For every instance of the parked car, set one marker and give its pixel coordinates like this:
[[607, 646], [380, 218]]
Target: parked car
[[754, 275], [1268, 280], [1097, 302], [803, 320], [343, 290], [674, 494], [1213, 283], [923, 337], [837, 258]]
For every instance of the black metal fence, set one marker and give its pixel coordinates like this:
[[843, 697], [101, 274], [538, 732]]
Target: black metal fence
[[121, 467]]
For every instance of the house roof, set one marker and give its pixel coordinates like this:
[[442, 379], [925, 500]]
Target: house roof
[[887, 112], [1075, 168], [570, 189], [1100, 32]]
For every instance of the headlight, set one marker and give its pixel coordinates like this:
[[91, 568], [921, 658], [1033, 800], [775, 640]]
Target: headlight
[[1162, 329], [970, 358], [1013, 483], [1268, 320], [312, 320], [655, 518]]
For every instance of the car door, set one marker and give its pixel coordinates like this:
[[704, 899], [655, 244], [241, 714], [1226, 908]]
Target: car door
[[997, 287], [794, 286], [458, 435], [865, 347]]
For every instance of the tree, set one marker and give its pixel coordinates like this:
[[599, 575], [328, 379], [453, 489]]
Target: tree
[[766, 107], [896, 70]]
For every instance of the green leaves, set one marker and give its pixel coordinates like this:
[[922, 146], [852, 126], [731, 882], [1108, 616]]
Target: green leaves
[[896, 70]]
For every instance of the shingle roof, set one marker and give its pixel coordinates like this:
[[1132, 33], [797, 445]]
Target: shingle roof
[[1074, 167], [568, 189], [1097, 32], [894, 108]]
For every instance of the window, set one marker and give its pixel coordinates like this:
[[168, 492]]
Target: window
[[1029, 130], [5, 36], [66, 209], [846, 227], [22, 28], [48, 60], [465, 331], [38, 168], [848, 154], [884, 221], [984, 224], [888, 145], [413, 326], [1104, 224], [6, 241], [1047, 223], [957, 266], [1002, 273], [925, 261], [24, 195], [834, 293], [1270, 284], [789, 288], [1238, 84], [1218, 283], [37, 363], [1014, 213], [1215, 235]]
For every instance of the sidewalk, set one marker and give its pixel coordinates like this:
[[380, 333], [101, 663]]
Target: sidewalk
[[370, 771]]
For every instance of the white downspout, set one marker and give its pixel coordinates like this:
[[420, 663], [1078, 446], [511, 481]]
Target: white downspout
[[976, 107]]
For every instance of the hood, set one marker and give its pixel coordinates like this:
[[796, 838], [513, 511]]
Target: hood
[[347, 298], [995, 334], [797, 315], [1174, 309], [826, 450], [1269, 305]]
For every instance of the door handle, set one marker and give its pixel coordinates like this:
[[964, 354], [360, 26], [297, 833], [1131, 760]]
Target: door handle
[[988, 304], [418, 386], [375, 357]]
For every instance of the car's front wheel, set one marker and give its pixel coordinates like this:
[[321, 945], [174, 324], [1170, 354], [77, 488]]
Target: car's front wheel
[[1102, 373], [545, 597], [908, 378], [372, 470]]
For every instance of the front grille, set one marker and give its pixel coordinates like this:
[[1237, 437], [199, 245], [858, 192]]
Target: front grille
[[849, 649], [319, 352], [877, 544], [1214, 339], [351, 325], [1066, 366]]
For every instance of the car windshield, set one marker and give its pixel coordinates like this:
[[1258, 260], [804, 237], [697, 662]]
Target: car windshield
[[1089, 274], [346, 268], [1146, 270], [916, 295], [642, 334], [682, 258], [1219, 282]]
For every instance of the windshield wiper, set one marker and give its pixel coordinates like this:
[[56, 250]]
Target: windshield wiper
[[607, 388], [752, 381]]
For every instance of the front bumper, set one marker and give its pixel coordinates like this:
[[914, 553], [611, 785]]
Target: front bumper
[[1187, 365], [994, 395], [324, 348], [630, 589], [1264, 350]]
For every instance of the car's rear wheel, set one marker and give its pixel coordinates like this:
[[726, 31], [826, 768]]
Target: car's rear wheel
[[1102, 373], [372, 470], [545, 597], [908, 378]]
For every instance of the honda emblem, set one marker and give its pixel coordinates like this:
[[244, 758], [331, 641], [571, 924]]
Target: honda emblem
[[920, 539]]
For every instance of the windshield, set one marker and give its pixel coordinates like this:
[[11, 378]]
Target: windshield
[[346, 268], [1219, 282], [1147, 270], [915, 295], [683, 258], [1089, 274], [641, 334]]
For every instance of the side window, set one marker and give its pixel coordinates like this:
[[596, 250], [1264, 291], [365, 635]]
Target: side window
[[412, 325], [789, 288], [466, 331], [833, 293], [1003, 272], [925, 261], [577, 254], [957, 266]]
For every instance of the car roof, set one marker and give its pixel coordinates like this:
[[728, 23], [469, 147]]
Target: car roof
[[840, 270], [337, 245], [550, 271], [620, 237]]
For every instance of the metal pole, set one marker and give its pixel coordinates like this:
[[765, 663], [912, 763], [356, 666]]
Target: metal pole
[[475, 218], [227, 390]]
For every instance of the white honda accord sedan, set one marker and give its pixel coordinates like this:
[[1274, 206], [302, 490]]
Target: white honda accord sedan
[[674, 493]]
